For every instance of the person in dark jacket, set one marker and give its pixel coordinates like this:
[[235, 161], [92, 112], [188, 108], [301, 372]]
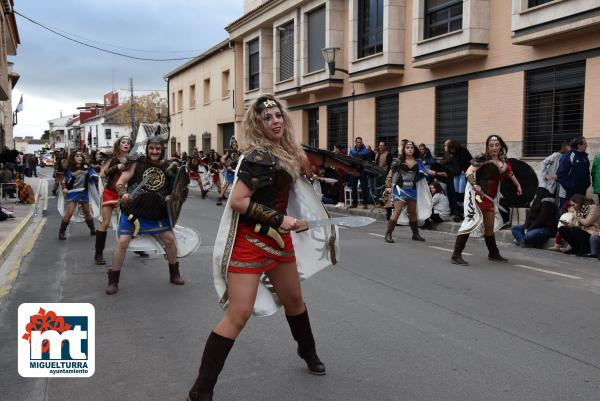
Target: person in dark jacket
[[383, 159], [458, 159], [574, 170], [540, 223], [360, 151]]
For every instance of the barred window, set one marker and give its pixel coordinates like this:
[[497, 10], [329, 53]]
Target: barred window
[[253, 64], [370, 27], [313, 128], [337, 126], [386, 122], [286, 51], [553, 107], [442, 16], [451, 112]]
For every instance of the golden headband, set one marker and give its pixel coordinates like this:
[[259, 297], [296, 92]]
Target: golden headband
[[494, 138], [269, 103]]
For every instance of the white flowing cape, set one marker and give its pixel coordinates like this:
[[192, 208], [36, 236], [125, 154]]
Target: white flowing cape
[[315, 249], [473, 222], [424, 204]]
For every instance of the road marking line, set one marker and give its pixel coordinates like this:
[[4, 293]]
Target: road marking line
[[549, 272], [377, 235], [448, 250]]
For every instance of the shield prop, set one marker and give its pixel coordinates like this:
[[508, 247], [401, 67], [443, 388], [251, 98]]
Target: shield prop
[[529, 183], [179, 194], [349, 165]]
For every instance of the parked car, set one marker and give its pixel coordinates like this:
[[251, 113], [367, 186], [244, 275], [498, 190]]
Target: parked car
[[46, 160]]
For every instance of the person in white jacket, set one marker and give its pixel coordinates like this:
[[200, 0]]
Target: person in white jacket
[[441, 206]]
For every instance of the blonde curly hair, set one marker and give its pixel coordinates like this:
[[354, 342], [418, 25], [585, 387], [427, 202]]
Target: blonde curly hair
[[289, 152]]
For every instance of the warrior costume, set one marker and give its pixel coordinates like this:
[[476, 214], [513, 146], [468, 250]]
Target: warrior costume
[[79, 183], [231, 161], [488, 177]]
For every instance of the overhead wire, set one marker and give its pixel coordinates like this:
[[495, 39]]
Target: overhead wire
[[97, 47]]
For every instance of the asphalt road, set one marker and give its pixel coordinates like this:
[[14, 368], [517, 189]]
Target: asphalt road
[[392, 322]]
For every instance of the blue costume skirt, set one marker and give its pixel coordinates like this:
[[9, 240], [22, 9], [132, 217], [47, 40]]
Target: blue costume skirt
[[403, 194], [143, 226], [77, 196], [230, 176]]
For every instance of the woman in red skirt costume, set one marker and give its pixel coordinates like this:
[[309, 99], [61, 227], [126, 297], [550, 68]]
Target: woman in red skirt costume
[[258, 242], [481, 199], [110, 171]]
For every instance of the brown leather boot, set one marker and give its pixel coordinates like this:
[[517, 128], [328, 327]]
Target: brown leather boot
[[100, 242], [414, 227], [113, 281], [62, 232], [175, 278], [213, 359], [390, 229], [302, 333], [459, 246]]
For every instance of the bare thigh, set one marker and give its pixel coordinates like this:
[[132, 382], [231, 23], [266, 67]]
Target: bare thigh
[[242, 289], [286, 281]]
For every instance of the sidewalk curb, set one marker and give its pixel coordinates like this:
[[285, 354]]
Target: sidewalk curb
[[8, 243]]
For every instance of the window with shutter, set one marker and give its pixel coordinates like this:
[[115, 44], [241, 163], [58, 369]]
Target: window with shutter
[[451, 112], [253, 64], [313, 128], [386, 122], [337, 125], [316, 39], [286, 51], [370, 27], [553, 107]]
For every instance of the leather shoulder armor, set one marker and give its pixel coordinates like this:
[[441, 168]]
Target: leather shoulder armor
[[478, 160], [257, 169]]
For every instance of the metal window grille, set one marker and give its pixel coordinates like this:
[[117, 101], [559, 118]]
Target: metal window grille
[[107, 133], [313, 128], [451, 112], [286, 52], [316, 39], [534, 3], [337, 125], [370, 27], [191, 143], [386, 122], [553, 107], [442, 16], [253, 64]]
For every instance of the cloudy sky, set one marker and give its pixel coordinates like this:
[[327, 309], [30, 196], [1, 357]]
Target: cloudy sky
[[59, 75]]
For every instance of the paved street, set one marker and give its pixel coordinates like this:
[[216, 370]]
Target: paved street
[[392, 322]]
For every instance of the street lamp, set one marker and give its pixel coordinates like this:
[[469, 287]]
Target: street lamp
[[329, 55]]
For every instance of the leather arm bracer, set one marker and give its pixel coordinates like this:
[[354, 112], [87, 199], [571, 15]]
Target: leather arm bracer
[[264, 214]]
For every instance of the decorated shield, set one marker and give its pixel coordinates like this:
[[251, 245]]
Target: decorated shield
[[349, 165], [179, 194], [529, 183]]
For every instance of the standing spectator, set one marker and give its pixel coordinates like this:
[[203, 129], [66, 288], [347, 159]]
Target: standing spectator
[[540, 222], [596, 176], [574, 170], [20, 162], [6, 179], [547, 177], [441, 206], [359, 151], [587, 221], [371, 157], [426, 156], [458, 159], [383, 159]]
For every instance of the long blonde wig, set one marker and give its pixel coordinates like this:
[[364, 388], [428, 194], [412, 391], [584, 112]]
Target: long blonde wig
[[289, 152]]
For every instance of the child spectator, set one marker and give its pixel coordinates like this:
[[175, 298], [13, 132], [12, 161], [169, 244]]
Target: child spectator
[[441, 206]]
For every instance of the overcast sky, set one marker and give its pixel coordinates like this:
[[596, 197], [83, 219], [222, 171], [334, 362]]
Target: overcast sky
[[59, 75]]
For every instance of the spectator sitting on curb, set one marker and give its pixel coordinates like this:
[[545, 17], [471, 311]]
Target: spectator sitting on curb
[[540, 222], [594, 241], [567, 214], [586, 221], [441, 206], [596, 176]]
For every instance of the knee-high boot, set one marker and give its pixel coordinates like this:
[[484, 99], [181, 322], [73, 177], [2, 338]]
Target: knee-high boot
[[90, 224], [113, 282], [213, 359], [174, 276], [302, 333], [459, 246], [62, 231], [100, 243], [414, 227], [390, 229], [494, 253]]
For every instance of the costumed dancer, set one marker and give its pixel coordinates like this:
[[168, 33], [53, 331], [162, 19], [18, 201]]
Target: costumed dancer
[[254, 241], [406, 179], [481, 199], [193, 166], [60, 165], [229, 160], [144, 209], [110, 171], [78, 180], [213, 161]]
